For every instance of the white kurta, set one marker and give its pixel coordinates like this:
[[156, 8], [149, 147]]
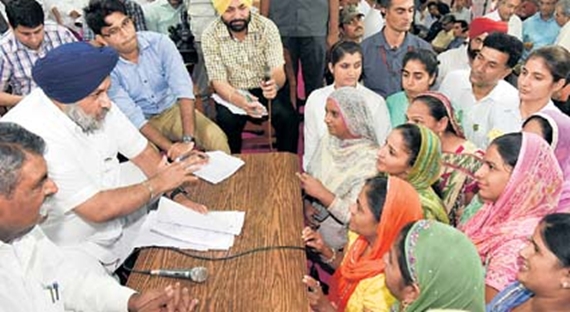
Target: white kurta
[[451, 60], [32, 265], [563, 38], [81, 165], [315, 126], [497, 113]]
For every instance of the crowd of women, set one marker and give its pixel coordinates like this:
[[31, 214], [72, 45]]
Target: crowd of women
[[419, 218]]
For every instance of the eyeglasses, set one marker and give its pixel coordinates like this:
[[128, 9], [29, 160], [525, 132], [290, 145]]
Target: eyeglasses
[[127, 22]]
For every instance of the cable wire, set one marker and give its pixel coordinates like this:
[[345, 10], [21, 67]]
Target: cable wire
[[225, 258]]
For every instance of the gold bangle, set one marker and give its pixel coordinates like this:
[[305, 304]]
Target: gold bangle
[[149, 188]]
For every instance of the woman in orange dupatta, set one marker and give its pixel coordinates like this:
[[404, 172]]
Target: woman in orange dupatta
[[383, 208]]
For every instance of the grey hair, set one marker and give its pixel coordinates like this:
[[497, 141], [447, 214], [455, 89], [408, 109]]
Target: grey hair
[[565, 5], [15, 142]]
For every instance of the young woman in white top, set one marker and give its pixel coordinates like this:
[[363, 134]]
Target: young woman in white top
[[346, 66]]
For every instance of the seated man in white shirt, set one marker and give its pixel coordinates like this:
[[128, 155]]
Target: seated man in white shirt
[[36, 274], [486, 104], [96, 210], [506, 12]]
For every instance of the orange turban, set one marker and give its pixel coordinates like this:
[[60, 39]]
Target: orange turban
[[481, 25], [222, 5]]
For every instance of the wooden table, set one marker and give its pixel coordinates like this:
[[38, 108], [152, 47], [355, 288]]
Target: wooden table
[[268, 190]]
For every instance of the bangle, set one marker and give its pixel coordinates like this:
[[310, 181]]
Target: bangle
[[149, 188], [332, 258]]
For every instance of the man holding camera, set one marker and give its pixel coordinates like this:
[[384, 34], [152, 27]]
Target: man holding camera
[[163, 14], [244, 58], [150, 83]]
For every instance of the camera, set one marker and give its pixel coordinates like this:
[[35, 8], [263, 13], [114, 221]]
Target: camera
[[184, 40]]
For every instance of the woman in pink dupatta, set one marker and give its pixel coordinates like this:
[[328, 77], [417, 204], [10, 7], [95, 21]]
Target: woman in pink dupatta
[[554, 127], [520, 183]]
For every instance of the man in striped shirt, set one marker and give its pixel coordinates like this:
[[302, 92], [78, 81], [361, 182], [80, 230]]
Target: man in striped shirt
[[28, 39]]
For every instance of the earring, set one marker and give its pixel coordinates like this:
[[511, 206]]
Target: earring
[[565, 285]]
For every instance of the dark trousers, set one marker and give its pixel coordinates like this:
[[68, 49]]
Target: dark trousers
[[312, 53], [283, 119]]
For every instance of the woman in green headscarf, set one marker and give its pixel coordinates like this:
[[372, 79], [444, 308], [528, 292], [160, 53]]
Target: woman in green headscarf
[[424, 273], [413, 152]]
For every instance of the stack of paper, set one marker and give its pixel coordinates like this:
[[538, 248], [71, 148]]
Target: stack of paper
[[234, 108], [177, 226], [219, 167]]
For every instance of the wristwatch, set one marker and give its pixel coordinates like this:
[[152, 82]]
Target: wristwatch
[[187, 138]]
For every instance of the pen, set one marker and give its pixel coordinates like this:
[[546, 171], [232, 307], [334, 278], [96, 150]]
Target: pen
[[49, 287], [56, 288]]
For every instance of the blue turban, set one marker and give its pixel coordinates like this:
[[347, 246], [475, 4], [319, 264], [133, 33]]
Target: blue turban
[[72, 71]]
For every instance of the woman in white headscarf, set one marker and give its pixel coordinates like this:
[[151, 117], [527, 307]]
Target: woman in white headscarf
[[344, 159]]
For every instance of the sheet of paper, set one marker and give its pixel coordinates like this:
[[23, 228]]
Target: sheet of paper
[[220, 166], [148, 238], [212, 240], [230, 222], [174, 225], [234, 108]]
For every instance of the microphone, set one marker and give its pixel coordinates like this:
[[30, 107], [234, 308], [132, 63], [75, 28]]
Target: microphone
[[266, 73], [197, 274]]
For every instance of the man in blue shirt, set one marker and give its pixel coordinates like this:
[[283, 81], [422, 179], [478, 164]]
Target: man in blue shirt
[[383, 52], [151, 85], [540, 29]]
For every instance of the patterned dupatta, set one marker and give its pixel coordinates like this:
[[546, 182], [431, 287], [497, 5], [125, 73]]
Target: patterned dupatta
[[425, 172], [532, 192], [448, 278], [560, 124], [402, 206]]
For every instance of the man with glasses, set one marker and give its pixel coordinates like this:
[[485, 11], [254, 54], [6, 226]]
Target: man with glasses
[[540, 29], [151, 84], [132, 9], [29, 38], [506, 12]]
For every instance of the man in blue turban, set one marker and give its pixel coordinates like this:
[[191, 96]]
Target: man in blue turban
[[97, 210]]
